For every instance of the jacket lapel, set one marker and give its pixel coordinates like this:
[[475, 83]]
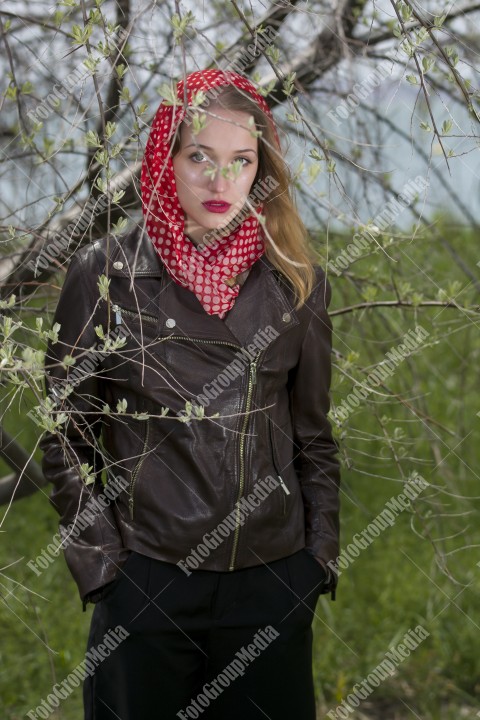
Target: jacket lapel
[[261, 302]]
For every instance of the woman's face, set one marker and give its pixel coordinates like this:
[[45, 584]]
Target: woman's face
[[209, 197]]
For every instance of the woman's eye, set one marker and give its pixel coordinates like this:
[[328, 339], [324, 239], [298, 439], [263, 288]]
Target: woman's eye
[[244, 160], [197, 157]]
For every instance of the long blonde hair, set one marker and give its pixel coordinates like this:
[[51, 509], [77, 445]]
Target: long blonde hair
[[287, 245]]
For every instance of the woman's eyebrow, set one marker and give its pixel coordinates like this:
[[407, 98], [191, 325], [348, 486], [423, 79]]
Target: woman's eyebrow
[[207, 147]]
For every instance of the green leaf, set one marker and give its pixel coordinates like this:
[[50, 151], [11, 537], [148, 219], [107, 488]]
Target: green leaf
[[81, 35], [122, 406], [427, 63], [102, 157], [11, 92], [199, 122], [110, 129], [92, 139], [121, 70], [125, 95], [53, 333], [86, 473], [198, 97], [447, 126], [91, 63], [439, 20], [119, 226], [180, 25], [117, 196], [273, 53], [68, 361], [101, 185], [313, 172], [369, 293], [169, 94], [103, 286], [7, 303], [315, 154], [141, 416], [412, 79], [289, 83]]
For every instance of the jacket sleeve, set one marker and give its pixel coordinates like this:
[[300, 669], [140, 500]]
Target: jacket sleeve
[[90, 538], [315, 449]]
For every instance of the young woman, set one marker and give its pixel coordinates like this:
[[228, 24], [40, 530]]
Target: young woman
[[205, 401]]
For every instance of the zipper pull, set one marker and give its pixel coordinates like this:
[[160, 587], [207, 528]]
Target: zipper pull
[[118, 314], [254, 372], [283, 485]]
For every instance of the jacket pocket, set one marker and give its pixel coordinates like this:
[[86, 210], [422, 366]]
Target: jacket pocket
[[276, 463], [138, 466], [132, 317]]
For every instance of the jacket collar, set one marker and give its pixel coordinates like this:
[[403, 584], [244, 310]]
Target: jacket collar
[[135, 256], [263, 301]]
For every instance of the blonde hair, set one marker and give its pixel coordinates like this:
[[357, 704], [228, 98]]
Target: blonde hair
[[287, 245]]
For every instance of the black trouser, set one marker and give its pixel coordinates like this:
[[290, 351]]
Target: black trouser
[[211, 645]]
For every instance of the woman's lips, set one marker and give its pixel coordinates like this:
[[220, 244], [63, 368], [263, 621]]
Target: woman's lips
[[216, 206]]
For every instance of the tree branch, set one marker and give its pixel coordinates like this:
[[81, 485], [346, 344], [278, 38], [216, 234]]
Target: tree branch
[[19, 460], [404, 303]]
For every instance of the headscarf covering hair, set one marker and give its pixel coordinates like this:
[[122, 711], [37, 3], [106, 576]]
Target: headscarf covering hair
[[203, 270]]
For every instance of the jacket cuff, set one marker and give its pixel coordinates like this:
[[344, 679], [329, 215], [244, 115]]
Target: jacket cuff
[[319, 547], [93, 566]]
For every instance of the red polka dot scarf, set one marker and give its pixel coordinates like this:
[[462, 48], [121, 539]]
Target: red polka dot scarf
[[202, 270]]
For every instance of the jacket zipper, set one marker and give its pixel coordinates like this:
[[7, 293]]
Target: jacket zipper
[[137, 468], [119, 311], [252, 378], [276, 466]]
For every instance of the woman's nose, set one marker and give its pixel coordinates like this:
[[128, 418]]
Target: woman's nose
[[217, 181]]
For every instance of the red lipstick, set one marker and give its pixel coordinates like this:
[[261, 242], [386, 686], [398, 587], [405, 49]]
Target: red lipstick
[[216, 206]]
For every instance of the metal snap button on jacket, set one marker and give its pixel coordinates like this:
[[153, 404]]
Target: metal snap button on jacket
[[118, 265], [170, 323]]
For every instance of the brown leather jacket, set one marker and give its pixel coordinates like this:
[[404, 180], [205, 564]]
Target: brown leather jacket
[[263, 373]]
